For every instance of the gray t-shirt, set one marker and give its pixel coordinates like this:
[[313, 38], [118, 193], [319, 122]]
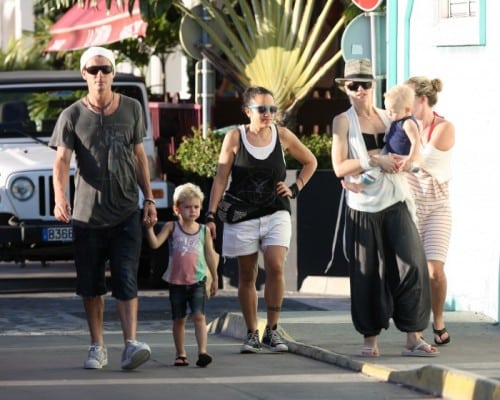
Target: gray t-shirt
[[105, 180]]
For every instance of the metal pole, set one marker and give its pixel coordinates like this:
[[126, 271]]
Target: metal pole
[[204, 82], [373, 45], [378, 42]]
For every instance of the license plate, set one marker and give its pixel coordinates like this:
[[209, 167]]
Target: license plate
[[57, 234]]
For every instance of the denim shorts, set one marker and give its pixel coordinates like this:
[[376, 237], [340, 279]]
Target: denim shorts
[[121, 246], [182, 295]]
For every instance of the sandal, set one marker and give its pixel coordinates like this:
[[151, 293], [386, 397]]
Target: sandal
[[369, 351], [181, 361], [204, 359], [439, 333], [421, 349]]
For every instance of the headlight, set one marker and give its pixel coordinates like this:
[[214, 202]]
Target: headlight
[[22, 189]]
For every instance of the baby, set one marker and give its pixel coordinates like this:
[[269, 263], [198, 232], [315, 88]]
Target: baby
[[402, 138]]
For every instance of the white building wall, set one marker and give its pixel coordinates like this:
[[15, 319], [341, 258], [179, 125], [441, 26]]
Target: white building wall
[[7, 22], [470, 99], [176, 80], [16, 17]]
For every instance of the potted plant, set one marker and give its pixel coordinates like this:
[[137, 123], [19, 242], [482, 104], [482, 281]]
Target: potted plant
[[197, 157]]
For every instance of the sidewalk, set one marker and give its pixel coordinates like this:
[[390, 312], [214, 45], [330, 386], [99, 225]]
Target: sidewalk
[[467, 368], [317, 326]]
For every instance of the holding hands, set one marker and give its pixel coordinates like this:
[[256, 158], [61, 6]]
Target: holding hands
[[150, 217]]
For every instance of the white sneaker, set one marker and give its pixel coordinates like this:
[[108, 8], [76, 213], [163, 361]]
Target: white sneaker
[[135, 354], [97, 357]]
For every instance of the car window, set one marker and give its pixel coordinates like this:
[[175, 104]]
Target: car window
[[34, 110]]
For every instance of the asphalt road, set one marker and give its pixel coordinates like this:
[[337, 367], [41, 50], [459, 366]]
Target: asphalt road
[[43, 341]]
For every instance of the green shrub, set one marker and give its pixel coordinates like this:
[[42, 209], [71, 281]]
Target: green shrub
[[320, 145], [199, 156]]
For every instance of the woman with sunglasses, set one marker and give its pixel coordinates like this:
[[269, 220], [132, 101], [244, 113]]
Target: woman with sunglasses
[[388, 271], [430, 191], [255, 208]]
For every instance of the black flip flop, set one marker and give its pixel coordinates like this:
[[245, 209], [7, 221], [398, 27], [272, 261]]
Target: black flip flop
[[204, 359], [441, 332], [181, 361]]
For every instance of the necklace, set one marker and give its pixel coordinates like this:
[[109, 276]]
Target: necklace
[[101, 109]]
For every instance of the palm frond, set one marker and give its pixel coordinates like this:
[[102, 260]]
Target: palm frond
[[270, 43]]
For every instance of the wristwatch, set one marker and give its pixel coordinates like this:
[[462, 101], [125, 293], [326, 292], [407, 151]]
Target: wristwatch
[[210, 216], [148, 200]]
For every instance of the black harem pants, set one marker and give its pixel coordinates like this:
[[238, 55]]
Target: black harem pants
[[388, 271]]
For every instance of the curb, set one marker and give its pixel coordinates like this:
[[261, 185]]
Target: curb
[[437, 380], [448, 382]]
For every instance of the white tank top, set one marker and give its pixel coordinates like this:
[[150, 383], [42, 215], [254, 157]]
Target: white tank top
[[260, 153], [437, 163]]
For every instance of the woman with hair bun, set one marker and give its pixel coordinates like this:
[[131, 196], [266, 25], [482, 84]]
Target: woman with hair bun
[[429, 187]]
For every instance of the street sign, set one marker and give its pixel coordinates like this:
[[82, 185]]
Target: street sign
[[191, 34], [365, 37], [367, 5], [356, 41]]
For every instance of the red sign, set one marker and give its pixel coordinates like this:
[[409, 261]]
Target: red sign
[[367, 5], [94, 26]]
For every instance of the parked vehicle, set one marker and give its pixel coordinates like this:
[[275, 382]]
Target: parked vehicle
[[30, 102]]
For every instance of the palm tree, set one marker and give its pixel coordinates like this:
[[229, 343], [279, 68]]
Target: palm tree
[[271, 43]]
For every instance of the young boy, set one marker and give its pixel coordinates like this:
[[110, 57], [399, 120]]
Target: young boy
[[402, 138], [191, 252]]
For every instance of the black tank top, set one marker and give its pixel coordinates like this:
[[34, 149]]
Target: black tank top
[[373, 142], [253, 181]]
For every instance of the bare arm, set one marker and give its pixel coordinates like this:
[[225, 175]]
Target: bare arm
[[443, 137], [414, 155], [212, 261], [143, 179], [302, 154], [226, 157], [156, 241], [344, 166], [62, 207]]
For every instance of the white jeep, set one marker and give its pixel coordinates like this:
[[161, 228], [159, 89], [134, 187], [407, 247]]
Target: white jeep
[[30, 102]]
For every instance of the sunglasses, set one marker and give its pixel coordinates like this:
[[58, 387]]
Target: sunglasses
[[354, 86], [94, 69], [264, 109]]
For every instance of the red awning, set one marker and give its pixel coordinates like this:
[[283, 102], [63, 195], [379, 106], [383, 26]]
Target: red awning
[[90, 26]]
